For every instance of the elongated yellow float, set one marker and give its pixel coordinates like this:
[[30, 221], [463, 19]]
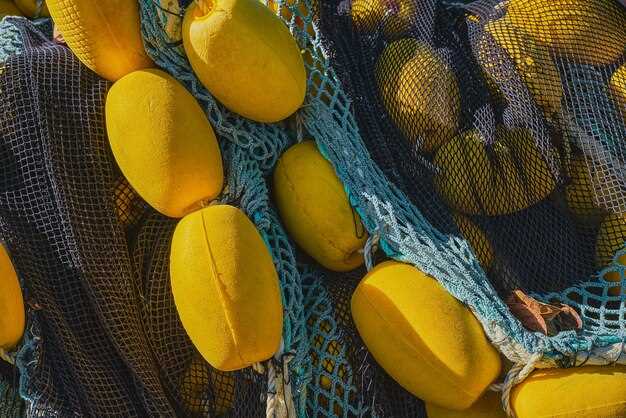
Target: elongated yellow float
[[104, 35], [589, 31], [420, 92], [423, 337], [226, 288], [246, 57], [163, 142], [577, 392], [315, 208], [12, 314], [479, 179]]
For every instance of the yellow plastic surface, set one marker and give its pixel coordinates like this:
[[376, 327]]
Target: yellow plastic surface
[[226, 288], [315, 209], [246, 57], [163, 142], [423, 337], [104, 34]]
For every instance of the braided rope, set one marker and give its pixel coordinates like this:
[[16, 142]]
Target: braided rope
[[279, 394], [370, 248], [518, 373]]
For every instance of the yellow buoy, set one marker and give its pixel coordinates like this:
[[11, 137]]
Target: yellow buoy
[[420, 93], [477, 239], [367, 14], [12, 313], [246, 57], [407, 15], [577, 392], [163, 142], [617, 86], [512, 175], [488, 406], [8, 8], [589, 31], [533, 63], [104, 35], [424, 338], [315, 208], [611, 238], [226, 288], [395, 19], [29, 8]]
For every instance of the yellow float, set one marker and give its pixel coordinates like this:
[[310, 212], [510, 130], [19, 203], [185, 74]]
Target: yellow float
[[226, 288], [246, 57], [532, 61], [424, 338], [12, 313], [420, 93], [507, 176], [163, 142], [315, 208], [578, 392], [104, 35], [589, 31]]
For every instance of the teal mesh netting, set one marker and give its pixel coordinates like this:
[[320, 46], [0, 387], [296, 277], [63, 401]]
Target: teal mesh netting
[[548, 253], [406, 233]]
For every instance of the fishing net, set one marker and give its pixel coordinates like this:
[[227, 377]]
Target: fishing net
[[330, 373], [103, 338], [523, 123], [11, 405], [496, 139]]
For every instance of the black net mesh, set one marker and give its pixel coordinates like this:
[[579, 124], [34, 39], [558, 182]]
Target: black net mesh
[[499, 121], [11, 405], [106, 339]]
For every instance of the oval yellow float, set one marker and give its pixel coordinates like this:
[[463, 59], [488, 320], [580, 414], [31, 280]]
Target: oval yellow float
[[246, 57], [7, 8], [315, 209], [578, 392], [30, 9], [590, 31], [226, 288], [420, 93], [488, 406], [507, 176], [104, 35], [12, 314], [531, 59], [423, 337], [163, 142]]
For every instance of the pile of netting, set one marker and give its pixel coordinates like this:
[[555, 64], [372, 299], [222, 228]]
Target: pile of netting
[[471, 118], [519, 138]]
